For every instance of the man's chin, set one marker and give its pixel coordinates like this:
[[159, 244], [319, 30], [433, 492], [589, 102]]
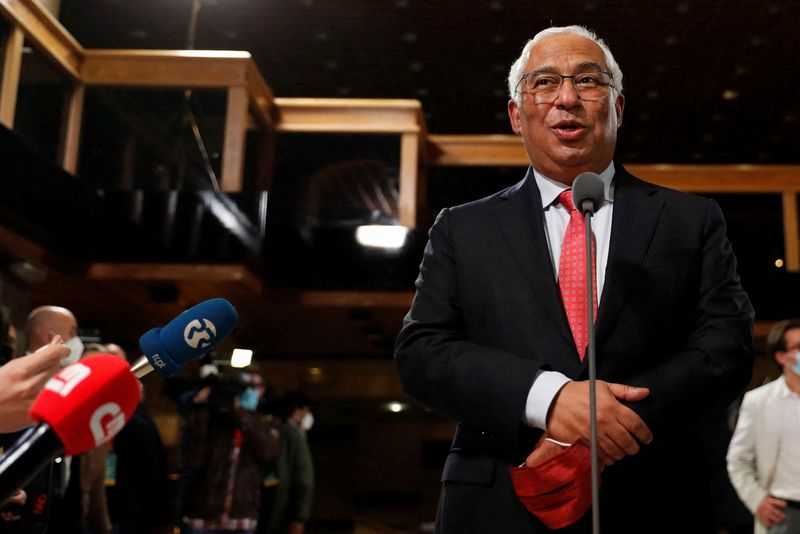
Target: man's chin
[[572, 158]]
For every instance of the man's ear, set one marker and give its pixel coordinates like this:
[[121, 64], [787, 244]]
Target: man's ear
[[619, 105], [514, 116]]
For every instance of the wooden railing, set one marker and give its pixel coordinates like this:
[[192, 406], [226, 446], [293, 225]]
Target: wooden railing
[[783, 180]]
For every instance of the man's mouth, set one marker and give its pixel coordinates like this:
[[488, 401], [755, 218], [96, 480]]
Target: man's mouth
[[569, 130]]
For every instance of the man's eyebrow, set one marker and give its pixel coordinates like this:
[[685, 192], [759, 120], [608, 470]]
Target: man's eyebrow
[[543, 69], [591, 65]]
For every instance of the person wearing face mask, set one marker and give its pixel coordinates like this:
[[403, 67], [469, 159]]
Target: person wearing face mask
[[230, 448], [291, 507], [51, 342], [764, 453], [46, 322], [21, 379]]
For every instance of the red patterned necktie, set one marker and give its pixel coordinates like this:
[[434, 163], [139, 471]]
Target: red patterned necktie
[[572, 274]]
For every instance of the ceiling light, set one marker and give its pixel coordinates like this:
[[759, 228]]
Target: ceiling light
[[381, 236], [395, 407], [241, 357], [314, 375]]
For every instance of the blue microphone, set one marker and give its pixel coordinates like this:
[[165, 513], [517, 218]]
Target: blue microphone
[[191, 334]]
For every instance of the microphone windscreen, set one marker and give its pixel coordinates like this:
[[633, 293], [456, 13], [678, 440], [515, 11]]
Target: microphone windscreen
[[87, 403], [587, 186], [191, 334]]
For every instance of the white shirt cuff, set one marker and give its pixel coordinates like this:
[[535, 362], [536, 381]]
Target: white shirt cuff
[[544, 388]]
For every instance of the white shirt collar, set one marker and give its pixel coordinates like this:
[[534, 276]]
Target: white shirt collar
[[783, 389], [550, 189]]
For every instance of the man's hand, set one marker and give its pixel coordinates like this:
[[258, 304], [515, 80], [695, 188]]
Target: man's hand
[[770, 510], [619, 429], [543, 451], [22, 378], [12, 505]]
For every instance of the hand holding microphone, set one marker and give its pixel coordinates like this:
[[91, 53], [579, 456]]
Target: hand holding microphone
[[22, 378], [191, 334], [83, 406]]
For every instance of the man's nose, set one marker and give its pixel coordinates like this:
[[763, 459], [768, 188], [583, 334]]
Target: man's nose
[[567, 96]]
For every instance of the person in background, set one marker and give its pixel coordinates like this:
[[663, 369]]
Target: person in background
[[8, 337], [764, 453], [45, 323], [21, 380], [136, 475], [293, 496], [229, 450], [63, 514], [87, 479]]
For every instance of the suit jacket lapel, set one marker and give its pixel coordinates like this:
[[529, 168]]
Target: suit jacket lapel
[[637, 207], [521, 221]]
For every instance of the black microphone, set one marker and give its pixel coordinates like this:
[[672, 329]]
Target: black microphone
[[587, 192], [31, 452]]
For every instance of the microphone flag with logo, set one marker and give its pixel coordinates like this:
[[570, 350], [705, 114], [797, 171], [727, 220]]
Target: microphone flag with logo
[[88, 402], [191, 334]]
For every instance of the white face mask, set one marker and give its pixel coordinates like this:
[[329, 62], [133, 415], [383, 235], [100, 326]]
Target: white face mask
[[307, 422], [75, 346]]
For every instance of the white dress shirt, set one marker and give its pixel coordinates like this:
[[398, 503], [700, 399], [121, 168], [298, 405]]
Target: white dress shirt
[[556, 218]]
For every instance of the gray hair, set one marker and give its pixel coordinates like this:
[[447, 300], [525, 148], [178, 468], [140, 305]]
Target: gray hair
[[518, 67]]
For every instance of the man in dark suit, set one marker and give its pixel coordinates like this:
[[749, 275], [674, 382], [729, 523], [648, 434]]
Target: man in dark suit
[[490, 342]]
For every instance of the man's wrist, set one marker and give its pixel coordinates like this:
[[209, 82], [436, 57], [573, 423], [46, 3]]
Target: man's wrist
[[543, 391]]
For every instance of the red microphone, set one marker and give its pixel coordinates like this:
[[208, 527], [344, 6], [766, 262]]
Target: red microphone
[[83, 406]]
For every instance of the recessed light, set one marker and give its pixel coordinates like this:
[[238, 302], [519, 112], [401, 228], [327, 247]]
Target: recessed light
[[241, 357]]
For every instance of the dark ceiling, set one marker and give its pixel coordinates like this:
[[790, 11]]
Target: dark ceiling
[[711, 81]]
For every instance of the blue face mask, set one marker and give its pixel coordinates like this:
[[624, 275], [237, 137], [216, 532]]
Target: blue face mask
[[249, 399], [796, 367]]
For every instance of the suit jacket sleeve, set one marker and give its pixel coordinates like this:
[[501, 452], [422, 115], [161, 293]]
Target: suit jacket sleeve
[[441, 366], [742, 457]]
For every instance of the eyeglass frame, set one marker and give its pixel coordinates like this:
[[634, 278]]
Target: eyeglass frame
[[564, 77]]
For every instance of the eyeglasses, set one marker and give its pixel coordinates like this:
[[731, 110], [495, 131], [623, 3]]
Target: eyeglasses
[[545, 86]]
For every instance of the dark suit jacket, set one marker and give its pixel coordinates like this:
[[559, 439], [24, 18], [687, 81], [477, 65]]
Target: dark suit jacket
[[487, 316]]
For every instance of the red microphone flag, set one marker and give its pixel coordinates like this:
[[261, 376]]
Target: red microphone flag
[[88, 402]]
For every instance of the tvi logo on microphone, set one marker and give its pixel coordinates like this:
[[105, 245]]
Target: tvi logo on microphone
[[106, 422], [199, 335]]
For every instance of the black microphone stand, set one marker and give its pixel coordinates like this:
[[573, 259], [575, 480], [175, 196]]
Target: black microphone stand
[[587, 192], [590, 354]]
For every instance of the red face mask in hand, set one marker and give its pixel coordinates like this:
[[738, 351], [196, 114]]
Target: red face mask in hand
[[558, 491]]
